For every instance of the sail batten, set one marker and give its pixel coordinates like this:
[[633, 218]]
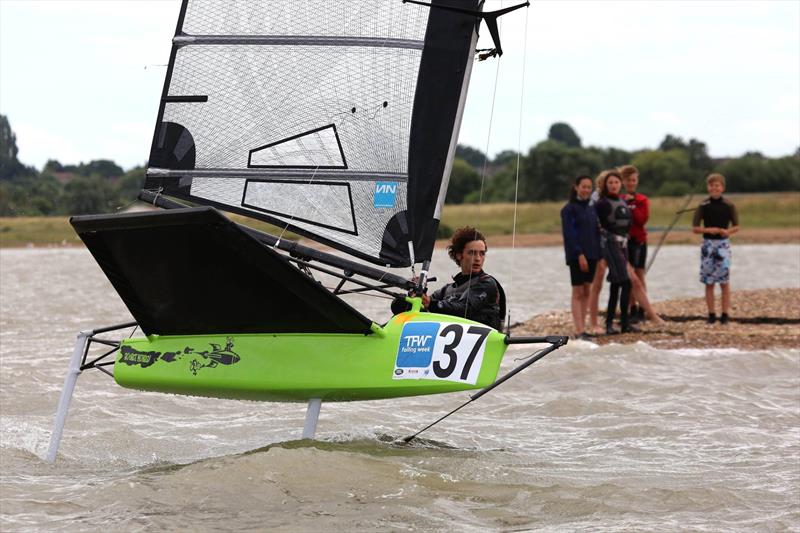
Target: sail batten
[[295, 40], [334, 120], [278, 173]]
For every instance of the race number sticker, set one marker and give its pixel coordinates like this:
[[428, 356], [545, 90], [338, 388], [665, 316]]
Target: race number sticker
[[441, 350]]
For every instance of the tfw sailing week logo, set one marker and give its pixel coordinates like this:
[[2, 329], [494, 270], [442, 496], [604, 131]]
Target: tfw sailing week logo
[[385, 194], [416, 344]]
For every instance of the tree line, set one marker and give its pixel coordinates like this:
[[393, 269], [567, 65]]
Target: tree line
[[546, 172]]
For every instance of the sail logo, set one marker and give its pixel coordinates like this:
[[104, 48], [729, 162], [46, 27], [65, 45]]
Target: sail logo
[[385, 194], [416, 344]]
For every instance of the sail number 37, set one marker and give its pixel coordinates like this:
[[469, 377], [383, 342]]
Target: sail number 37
[[443, 351]]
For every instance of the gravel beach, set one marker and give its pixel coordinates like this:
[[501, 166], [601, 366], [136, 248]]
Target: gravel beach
[[760, 319]]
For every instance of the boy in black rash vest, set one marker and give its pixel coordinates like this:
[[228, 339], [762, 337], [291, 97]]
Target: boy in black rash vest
[[615, 221], [720, 220]]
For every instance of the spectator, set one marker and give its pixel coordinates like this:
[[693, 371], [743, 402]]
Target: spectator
[[582, 248], [720, 221]]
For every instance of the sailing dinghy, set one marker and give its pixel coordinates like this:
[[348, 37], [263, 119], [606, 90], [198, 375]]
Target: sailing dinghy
[[337, 121]]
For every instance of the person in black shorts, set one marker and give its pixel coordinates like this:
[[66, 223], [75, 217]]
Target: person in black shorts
[[639, 206], [580, 230]]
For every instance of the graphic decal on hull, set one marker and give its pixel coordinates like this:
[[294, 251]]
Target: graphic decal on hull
[[200, 358], [440, 350]]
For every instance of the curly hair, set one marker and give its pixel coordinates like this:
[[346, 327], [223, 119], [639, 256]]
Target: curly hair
[[460, 238], [608, 174]]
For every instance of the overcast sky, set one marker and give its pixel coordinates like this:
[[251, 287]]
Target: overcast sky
[[80, 80]]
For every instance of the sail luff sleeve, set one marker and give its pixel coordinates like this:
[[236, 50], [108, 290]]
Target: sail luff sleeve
[[438, 107], [451, 153]]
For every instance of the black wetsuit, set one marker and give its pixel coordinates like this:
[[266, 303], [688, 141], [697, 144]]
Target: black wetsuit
[[715, 213], [615, 220], [477, 297]]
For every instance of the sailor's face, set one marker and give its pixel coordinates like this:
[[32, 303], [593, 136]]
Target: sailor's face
[[473, 257]]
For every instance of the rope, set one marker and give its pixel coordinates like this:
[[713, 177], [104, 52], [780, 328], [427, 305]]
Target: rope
[[291, 219], [516, 182], [485, 157], [675, 219]]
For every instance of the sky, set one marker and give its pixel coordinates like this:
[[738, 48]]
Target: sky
[[81, 80]]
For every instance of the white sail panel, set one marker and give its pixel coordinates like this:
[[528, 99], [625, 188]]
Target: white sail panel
[[358, 93], [315, 149], [256, 99], [330, 225], [385, 19], [324, 204]]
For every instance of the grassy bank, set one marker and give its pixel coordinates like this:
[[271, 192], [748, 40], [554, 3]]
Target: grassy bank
[[756, 211], [778, 211], [56, 231]]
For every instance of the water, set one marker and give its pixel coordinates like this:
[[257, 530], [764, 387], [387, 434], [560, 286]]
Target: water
[[590, 438]]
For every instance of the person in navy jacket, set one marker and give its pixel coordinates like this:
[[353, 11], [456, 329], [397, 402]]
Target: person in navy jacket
[[580, 229]]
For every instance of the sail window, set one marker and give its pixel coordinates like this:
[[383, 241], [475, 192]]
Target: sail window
[[325, 204], [319, 148]]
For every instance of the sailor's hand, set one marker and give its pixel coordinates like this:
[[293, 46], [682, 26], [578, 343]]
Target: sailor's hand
[[723, 232], [426, 301], [583, 263]]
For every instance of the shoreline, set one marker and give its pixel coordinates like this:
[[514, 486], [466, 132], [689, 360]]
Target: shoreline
[[682, 236], [760, 319], [524, 240]]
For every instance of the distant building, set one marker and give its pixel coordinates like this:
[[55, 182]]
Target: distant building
[[64, 177]]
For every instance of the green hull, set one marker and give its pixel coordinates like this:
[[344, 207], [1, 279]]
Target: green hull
[[389, 363]]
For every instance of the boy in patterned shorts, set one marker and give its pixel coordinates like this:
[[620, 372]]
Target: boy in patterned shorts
[[720, 220]]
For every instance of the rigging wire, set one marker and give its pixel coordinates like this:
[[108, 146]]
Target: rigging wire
[[287, 223], [485, 156], [361, 293], [516, 181], [674, 221], [489, 131]]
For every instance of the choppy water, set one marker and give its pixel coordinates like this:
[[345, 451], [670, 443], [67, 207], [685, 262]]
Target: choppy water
[[590, 438]]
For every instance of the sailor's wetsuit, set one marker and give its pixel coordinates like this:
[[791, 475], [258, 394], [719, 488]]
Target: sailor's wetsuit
[[615, 222], [477, 297]]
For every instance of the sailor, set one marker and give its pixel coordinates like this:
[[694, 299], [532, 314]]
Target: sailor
[[474, 294]]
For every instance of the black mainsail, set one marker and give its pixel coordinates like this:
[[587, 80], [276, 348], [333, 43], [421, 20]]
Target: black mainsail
[[336, 120]]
